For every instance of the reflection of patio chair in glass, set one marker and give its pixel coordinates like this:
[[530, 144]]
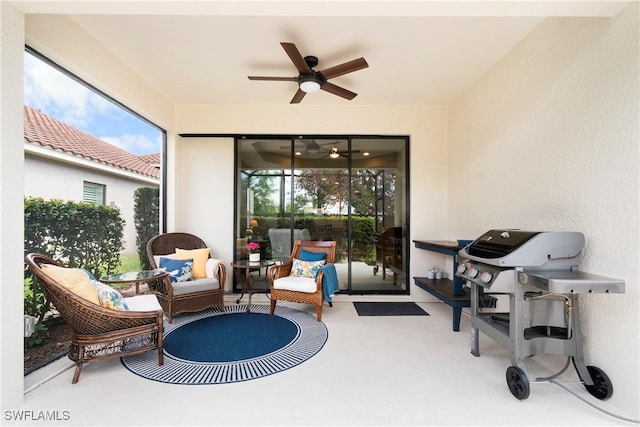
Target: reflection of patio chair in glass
[[280, 240], [389, 252]]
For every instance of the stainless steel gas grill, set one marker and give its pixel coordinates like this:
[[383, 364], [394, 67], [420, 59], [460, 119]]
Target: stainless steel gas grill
[[539, 272]]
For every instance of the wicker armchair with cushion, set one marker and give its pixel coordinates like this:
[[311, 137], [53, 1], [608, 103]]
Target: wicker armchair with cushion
[[193, 285], [104, 324], [296, 279]]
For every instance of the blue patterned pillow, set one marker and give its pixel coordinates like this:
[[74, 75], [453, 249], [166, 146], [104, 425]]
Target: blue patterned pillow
[[305, 268], [179, 269], [312, 256], [91, 276], [109, 297]]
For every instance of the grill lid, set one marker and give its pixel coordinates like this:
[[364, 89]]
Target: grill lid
[[516, 248], [499, 243]]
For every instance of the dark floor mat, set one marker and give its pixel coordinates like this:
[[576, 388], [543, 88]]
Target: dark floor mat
[[389, 309]]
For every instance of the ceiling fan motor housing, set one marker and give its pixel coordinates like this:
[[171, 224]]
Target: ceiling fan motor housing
[[315, 77], [311, 60]]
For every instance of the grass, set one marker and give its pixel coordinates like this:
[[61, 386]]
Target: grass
[[129, 262]]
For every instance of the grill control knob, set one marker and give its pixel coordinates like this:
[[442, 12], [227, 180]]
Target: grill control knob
[[486, 277], [472, 272], [461, 268]]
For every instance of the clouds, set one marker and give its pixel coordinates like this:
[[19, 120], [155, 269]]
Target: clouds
[[135, 143], [58, 95]]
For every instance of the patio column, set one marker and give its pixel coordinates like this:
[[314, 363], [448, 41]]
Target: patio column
[[12, 212]]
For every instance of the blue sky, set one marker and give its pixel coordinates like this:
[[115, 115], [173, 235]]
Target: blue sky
[[59, 96]]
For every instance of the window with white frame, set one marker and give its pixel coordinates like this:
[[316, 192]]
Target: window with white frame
[[93, 193]]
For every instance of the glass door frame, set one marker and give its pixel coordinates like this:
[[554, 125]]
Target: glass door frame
[[291, 167]]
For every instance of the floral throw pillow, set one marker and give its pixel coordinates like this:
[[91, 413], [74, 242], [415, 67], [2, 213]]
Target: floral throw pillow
[[306, 268], [109, 297], [179, 269]]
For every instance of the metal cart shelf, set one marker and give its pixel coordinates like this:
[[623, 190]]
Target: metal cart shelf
[[544, 317]]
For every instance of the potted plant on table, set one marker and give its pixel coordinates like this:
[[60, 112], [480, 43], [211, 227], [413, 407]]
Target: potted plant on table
[[254, 251]]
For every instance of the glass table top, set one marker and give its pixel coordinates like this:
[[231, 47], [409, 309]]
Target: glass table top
[[134, 276]]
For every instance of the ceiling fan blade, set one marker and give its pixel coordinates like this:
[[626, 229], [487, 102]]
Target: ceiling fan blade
[[337, 90], [296, 58], [347, 67], [278, 79], [298, 97]]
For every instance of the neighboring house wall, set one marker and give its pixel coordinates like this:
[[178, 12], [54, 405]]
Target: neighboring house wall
[[66, 157], [52, 179]]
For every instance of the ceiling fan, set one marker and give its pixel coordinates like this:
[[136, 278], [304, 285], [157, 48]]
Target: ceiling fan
[[308, 146], [310, 80], [335, 153]]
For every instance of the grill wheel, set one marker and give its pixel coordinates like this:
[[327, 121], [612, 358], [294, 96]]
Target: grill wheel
[[517, 382], [602, 387]]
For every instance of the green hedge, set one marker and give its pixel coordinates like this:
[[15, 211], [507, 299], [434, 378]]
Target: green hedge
[[76, 233], [330, 227], [147, 220]]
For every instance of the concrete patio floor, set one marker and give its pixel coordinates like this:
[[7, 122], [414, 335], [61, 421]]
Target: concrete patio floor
[[407, 370]]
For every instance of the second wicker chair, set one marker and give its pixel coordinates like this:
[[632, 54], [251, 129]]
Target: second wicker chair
[[192, 296], [315, 294]]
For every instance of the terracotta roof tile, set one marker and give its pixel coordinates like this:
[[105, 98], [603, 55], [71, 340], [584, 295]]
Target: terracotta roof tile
[[153, 158], [44, 130]]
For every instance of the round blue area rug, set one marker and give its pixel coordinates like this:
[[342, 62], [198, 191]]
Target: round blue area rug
[[216, 347], [230, 337]]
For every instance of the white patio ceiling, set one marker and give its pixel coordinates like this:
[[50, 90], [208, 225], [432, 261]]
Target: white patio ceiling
[[419, 52]]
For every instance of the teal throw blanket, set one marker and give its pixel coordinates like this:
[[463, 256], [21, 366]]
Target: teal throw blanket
[[330, 283]]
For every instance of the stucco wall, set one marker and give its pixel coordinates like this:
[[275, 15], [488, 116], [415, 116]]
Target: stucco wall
[[426, 127], [548, 140], [49, 179], [204, 196], [12, 212]]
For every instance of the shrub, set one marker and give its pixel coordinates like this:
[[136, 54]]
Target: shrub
[[78, 234], [147, 220]]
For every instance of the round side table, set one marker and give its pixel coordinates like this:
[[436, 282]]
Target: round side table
[[136, 277], [242, 269]]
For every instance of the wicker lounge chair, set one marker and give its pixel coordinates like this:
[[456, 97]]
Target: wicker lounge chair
[[312, 296], [101, 333], [186, 297]]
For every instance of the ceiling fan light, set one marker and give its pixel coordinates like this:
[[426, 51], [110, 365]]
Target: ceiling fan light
[[334, 153], [309, 86]]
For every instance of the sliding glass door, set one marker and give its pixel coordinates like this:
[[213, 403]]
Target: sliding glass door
[[351, 190]]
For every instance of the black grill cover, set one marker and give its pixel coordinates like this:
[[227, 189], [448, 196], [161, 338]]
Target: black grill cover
[[499, 243]]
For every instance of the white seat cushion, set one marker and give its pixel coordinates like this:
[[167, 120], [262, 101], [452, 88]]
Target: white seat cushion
[[195, 285], [294, 283], [143, 303]]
